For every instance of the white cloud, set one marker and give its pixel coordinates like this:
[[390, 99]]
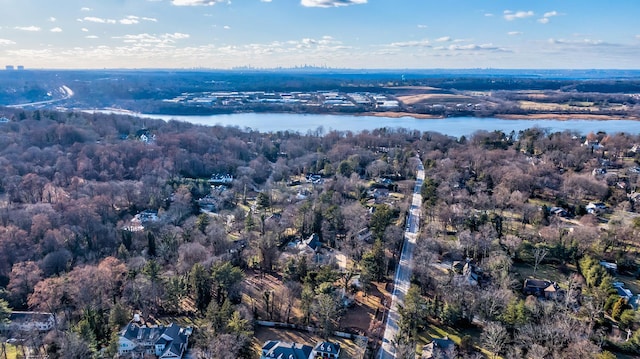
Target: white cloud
[[514, 33], [195, 2], [421, 26], [476, 47], [85, 9], [545, 18], [265, 0], [5, 42], [638, 37], [331, 3], [420, 43], [28, 28], [130, 20], [84, 29], [488, 14], [510, 15], [226, 27], [443, 39], [152, 19], [152, 39], [91, 37], [581, 43], [56, 29], [98, 20], [52, 19]]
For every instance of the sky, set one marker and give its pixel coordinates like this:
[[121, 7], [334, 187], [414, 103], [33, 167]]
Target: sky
[[358, 34]]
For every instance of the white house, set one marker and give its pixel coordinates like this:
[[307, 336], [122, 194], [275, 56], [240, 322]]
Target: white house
[[168, 342], [30, 321]]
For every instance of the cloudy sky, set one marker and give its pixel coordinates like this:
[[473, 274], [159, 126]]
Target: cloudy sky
[[334, 33]]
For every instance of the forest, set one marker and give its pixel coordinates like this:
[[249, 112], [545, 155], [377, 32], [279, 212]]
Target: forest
[[105, 216]]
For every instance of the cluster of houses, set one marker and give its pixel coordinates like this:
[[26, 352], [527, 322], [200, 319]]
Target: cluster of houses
[[274, 349], [316, 98]]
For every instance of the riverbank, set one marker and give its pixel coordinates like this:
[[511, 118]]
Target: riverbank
[[566, 117], [536, 116]]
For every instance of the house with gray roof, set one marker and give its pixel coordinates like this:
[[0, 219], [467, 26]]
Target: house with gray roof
[[274, 349], [165, 342], [326, 350], [29, 322]]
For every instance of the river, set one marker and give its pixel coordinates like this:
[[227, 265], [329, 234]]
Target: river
[[453, 126]]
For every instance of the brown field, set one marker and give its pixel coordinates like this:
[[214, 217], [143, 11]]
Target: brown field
[[433, 97], [396, 114], [543, 106], [567, 116], [420, 88]]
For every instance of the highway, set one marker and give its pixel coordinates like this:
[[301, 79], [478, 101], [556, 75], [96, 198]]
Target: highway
[[404, 270]]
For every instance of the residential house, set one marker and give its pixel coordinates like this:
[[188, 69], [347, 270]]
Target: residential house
[[365, 235], [4, 120], [326, 350], [559, 211], [313, 243], [596, 207], [29, 321], [467, 272], [274, 349], [139, 341], [611, 268], [314, 178], [220, 179], [542, 289], [141, 219], [439, 348], [622, 291]]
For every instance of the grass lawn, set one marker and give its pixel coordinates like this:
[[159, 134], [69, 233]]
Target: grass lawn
[[545, 271], [434, 330], [12, 351]]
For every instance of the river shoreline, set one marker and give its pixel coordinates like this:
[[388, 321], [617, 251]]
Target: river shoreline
[[538, 116]]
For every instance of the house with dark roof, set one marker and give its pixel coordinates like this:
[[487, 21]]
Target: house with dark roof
[[312, 243], [165, 342], [542, 289], [326, 350], [439, 348], [274, 349]]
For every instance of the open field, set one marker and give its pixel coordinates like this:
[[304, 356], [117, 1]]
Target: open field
[[550, 272], [567, 116], [433, 98]]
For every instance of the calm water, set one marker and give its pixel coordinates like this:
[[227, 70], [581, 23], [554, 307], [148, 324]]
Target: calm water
[[456, 126]]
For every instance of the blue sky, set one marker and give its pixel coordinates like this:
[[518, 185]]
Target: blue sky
[[336, 33]]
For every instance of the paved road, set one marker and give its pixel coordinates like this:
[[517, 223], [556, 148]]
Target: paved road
[[67, 94], [404, 270]]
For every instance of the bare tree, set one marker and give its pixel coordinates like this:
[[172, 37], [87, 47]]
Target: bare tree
[[494, 337], [539, 252]]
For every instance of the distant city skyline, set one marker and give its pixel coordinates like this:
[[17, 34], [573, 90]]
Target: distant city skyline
[[359, 34]]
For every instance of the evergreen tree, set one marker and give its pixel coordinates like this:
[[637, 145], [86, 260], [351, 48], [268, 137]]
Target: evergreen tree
[[200, 282], [151, 247]]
